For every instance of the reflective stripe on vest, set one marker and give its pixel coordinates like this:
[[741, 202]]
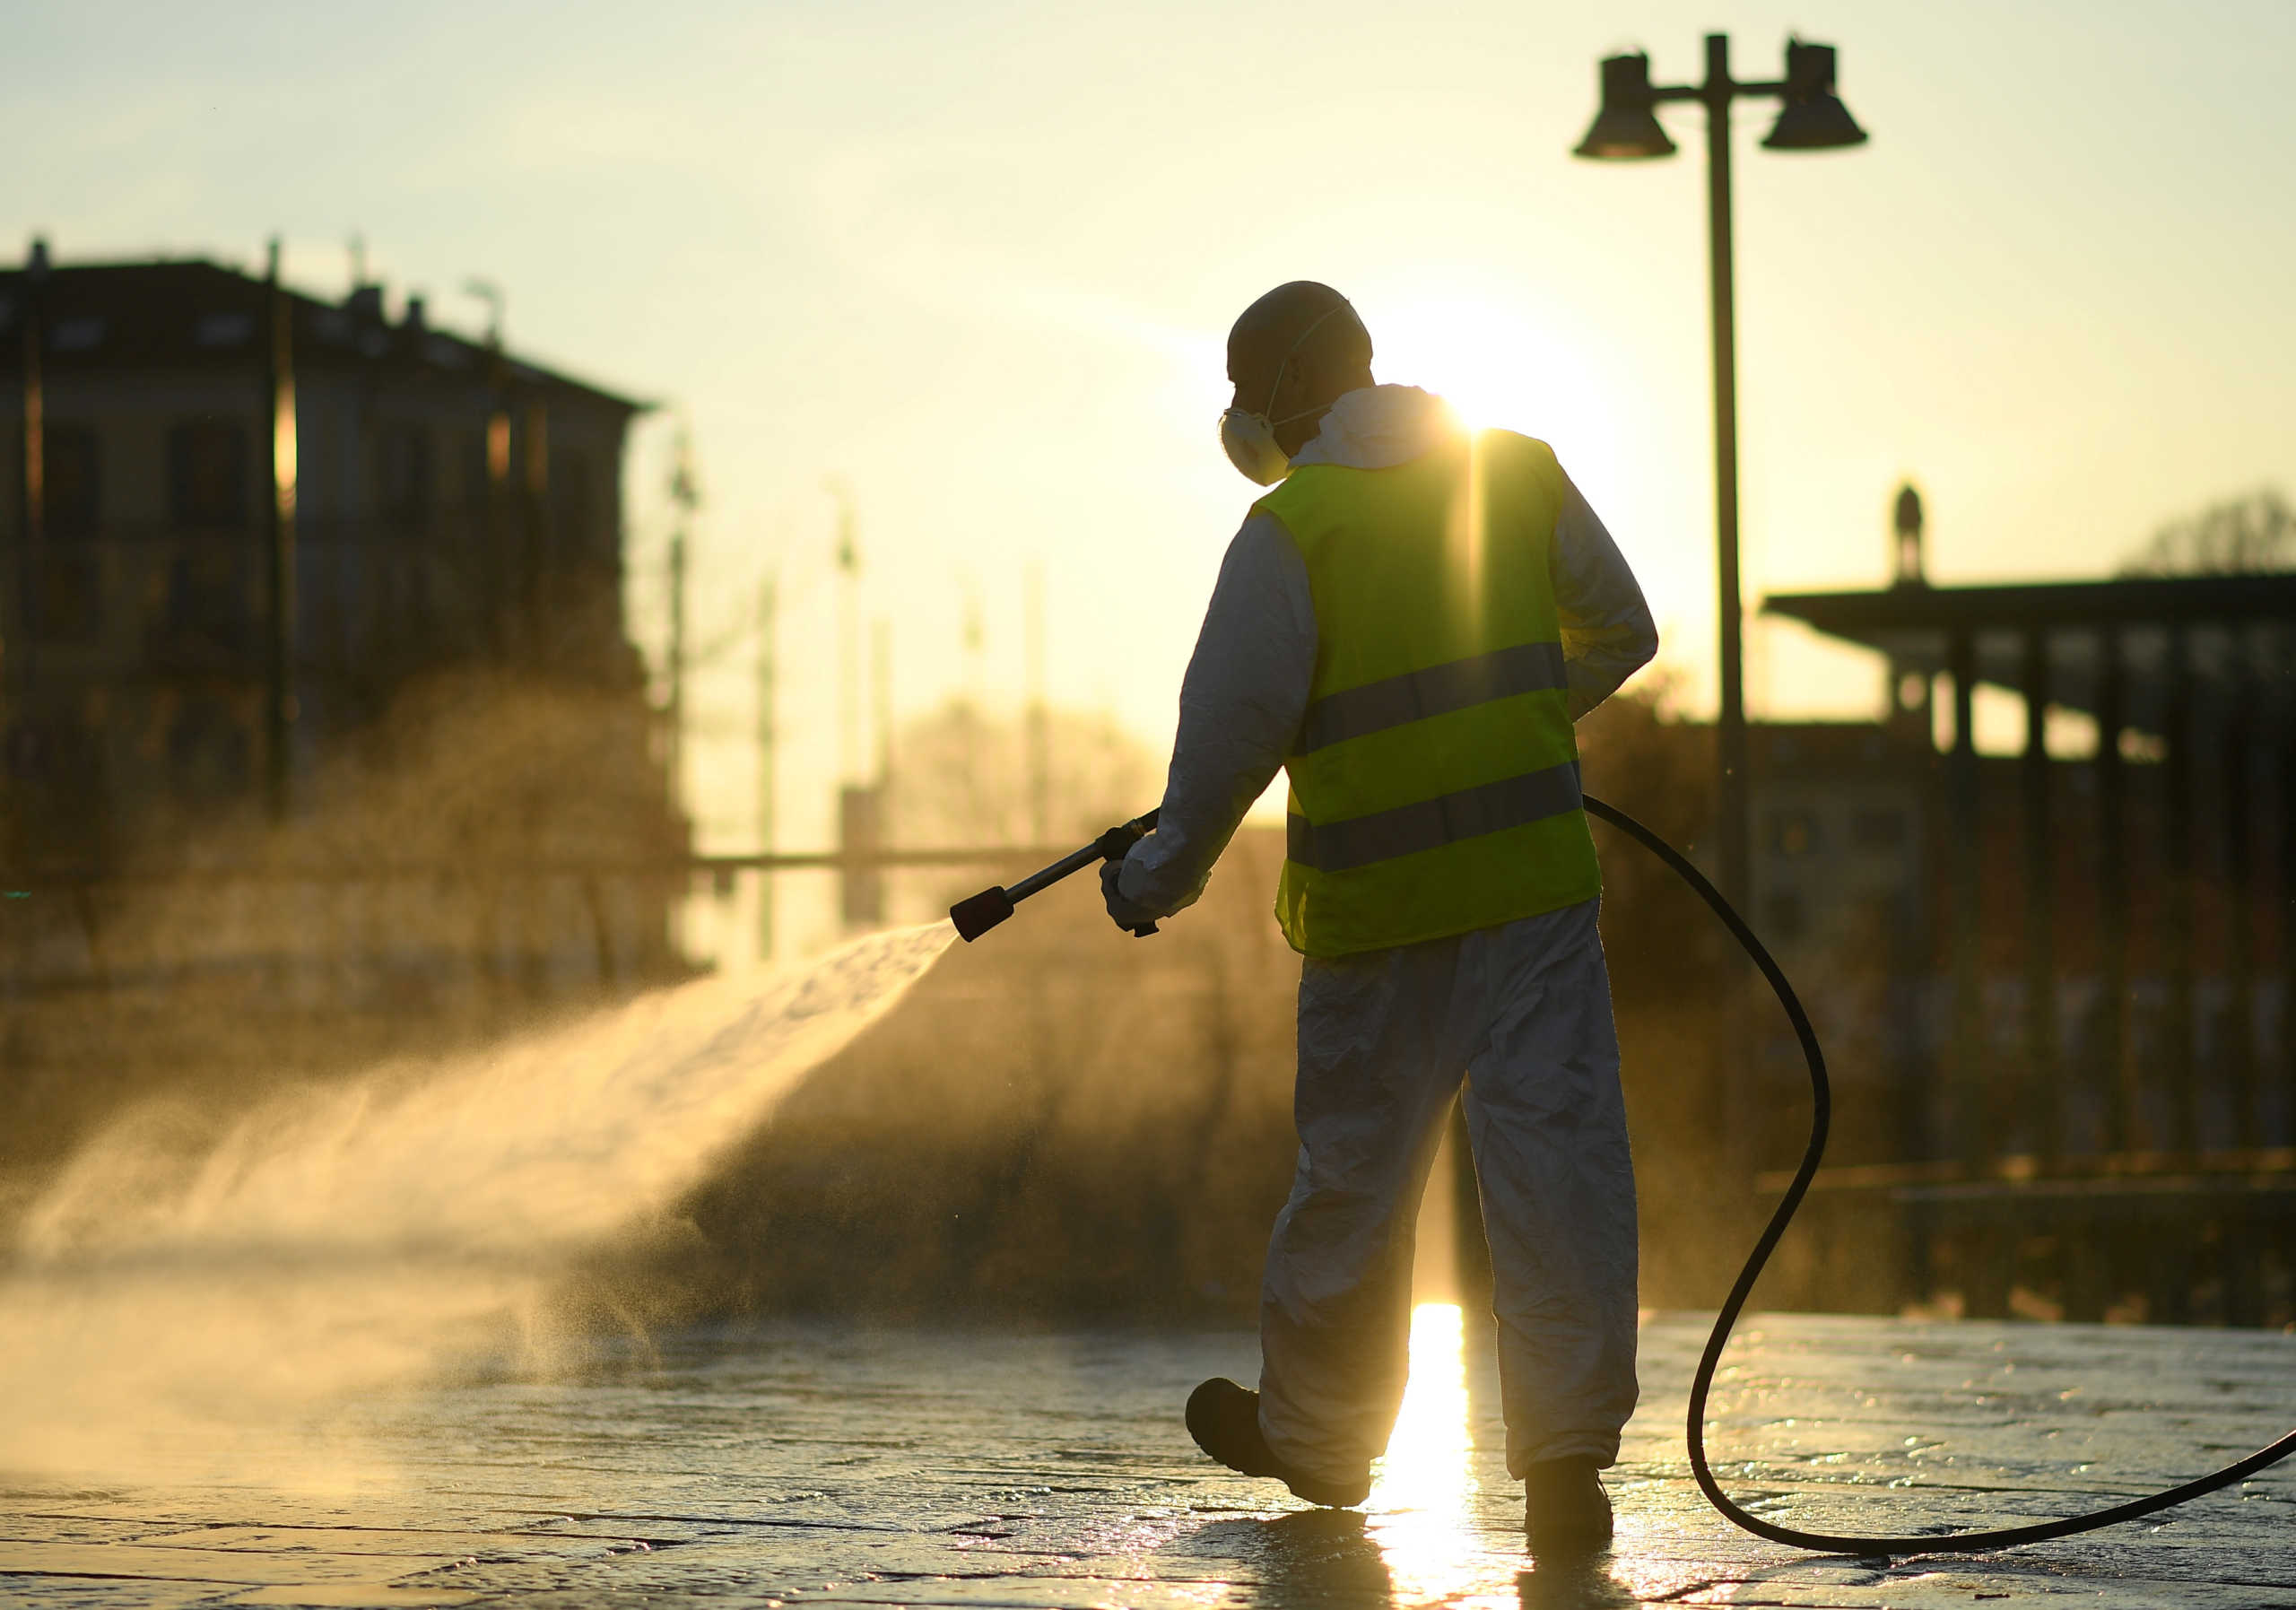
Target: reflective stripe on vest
[[1431, 823], [1376, 706], [1434, 780]]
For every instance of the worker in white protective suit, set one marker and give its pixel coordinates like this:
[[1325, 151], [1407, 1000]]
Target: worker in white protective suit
[[1410, 623]]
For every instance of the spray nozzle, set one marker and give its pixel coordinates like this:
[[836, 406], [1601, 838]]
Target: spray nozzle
[[976, 915]]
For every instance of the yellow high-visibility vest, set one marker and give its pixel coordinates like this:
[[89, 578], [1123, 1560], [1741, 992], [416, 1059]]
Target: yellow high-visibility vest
[[1435, 776]]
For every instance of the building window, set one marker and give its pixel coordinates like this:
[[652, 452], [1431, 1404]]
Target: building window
[[224, 329], [70, 486], [69, 598], [207, 476], [1795, 834], [403, 475], [82, 334]]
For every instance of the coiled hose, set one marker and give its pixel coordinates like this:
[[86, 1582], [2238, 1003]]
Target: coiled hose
[[1821, 1116]]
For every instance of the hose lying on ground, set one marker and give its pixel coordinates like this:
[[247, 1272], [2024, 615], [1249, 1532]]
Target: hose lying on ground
[[1821, 1116]]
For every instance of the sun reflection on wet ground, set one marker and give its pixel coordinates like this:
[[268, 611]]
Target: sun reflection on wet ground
[[1425, 1493]]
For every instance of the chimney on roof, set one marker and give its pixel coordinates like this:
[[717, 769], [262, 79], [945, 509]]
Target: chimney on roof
[[414, 315], [365, 303], [36, 265]]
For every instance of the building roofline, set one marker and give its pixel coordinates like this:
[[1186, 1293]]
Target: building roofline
[[2238, 632], [2137, 600], [59, 279]]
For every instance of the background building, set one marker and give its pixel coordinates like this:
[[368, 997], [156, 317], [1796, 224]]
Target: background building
[[2076, 980], [316, 703]]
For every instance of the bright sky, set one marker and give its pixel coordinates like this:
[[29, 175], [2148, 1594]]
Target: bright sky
[[980, 261]]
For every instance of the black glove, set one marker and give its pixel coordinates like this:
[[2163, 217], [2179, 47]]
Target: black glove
[[1125, 914]]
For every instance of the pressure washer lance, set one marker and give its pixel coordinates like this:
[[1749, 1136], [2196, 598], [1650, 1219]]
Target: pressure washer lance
[[981, 913], [985, 911]]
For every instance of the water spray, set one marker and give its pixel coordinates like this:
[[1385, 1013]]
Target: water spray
[[979, 913]]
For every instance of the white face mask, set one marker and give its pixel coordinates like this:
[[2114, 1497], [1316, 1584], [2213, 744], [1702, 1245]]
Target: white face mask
[[1250, 441], [1250, 438]]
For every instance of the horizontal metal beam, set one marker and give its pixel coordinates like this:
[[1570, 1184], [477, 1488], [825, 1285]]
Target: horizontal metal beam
[[12, 883], [2014, 1170]]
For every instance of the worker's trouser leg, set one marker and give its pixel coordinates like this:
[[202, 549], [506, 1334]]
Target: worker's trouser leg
[[1524, 1012]]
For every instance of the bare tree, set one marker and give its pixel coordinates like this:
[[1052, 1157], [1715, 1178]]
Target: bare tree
[[2241, 536]]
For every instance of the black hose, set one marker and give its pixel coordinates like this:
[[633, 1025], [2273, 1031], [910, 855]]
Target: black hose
[[1821, 1110]]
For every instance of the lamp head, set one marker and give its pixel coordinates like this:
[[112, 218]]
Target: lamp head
[[1814, 117], [1626, 127]]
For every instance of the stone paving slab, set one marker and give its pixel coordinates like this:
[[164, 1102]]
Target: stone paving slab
[[814, 1465]]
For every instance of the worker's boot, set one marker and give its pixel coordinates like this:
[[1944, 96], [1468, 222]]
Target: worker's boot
[[1565, 1510], [1225, 1420]]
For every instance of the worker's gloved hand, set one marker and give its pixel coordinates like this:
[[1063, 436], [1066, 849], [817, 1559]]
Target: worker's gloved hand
[[1124, 913]]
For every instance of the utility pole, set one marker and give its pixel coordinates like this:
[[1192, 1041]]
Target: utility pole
[[685, 495], [848, 636], [975, 708], [859, 814], [881, 644], [766, 623], [536, 600], [279, 703], [32, 504]]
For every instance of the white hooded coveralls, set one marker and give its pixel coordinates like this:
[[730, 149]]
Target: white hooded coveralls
[[1520, 1011]]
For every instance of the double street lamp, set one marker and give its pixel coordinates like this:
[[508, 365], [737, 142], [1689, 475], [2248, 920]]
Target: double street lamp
[[1626, 129]]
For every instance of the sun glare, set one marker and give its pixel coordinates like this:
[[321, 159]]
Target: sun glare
[[1486, 359]]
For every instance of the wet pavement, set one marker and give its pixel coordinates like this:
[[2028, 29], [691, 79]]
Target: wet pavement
[[819, 1466]]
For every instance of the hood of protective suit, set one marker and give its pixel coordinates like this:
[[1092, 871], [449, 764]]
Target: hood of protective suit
[[1379, 427]]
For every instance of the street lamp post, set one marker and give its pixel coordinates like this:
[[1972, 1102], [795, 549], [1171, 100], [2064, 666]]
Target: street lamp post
[[1627, 128]]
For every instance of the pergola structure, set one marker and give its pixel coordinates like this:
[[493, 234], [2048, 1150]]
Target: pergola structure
[[2186, 809]]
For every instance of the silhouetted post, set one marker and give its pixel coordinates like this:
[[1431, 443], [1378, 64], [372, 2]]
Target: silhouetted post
[[1736, 848], [848, 636], [2119, 1094], [685, 494], [279, 514], [2244, 1238], [2043, 1104], [535, 464], [881, 656], [497, 574], [1970, 1083], [2180, 1064], [32, 490], [2287, 848], [2240, 906]]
